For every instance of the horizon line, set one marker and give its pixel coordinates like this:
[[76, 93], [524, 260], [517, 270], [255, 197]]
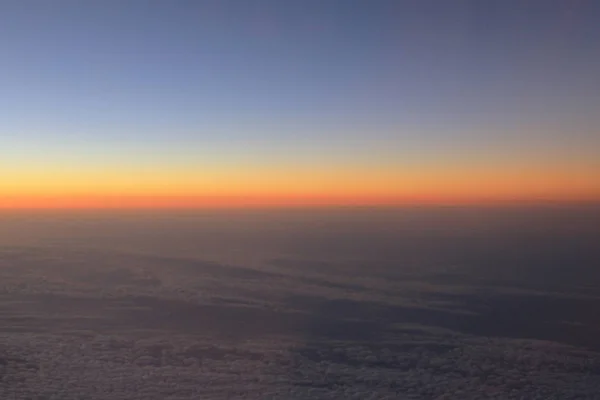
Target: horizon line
[[284, 202]]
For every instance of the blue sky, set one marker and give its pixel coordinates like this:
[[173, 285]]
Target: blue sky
[[372, 79]]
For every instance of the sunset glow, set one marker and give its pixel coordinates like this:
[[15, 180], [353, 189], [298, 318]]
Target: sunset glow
[[190, 113]]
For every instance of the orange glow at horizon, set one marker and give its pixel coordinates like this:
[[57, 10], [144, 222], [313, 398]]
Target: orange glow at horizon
[[209, 202], [410, 196], [289, 187]]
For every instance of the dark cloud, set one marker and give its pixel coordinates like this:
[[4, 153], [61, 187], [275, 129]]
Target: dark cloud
[[109, 323]]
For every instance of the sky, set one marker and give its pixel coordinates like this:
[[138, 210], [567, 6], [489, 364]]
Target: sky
[[114, 103]]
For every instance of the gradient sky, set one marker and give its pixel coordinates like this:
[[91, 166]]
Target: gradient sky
[[187, 103]]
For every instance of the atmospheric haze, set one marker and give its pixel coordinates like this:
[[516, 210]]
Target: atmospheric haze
[[404, 303], [299, 199]]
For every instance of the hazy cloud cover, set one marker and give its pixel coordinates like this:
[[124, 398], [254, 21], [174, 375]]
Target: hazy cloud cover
[[387, 312]]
